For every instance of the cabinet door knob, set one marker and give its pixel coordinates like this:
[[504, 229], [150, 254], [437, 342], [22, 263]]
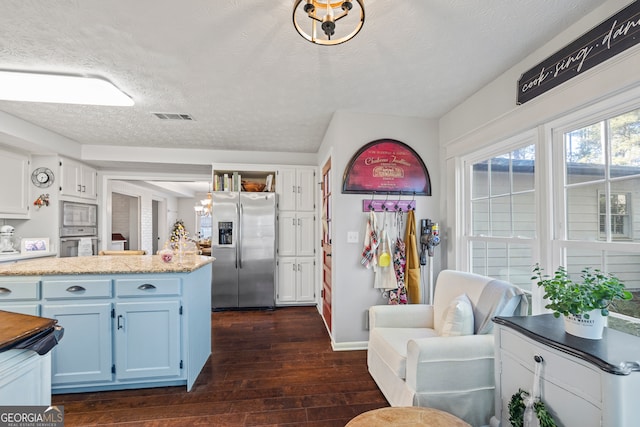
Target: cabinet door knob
[[146, 287], [75, 288], [5, 291], [120, 324], [538, 358]]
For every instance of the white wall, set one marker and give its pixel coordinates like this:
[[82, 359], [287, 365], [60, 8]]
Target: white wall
[[353, 291], [188, 215], [493, 110], [146, 198], [491, 115]]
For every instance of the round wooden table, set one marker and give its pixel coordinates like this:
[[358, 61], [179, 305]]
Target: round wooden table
[[406, 416]]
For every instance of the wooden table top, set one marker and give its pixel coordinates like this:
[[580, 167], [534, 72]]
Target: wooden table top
[[15, 327], [406, 416]]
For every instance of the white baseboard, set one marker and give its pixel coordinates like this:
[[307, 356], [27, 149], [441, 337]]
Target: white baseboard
[[349, 346]]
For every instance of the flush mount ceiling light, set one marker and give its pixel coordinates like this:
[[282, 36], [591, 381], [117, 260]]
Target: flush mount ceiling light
[[324, 14], [61, 89]]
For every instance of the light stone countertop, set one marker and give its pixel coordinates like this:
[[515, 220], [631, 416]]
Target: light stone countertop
[[103, 264]]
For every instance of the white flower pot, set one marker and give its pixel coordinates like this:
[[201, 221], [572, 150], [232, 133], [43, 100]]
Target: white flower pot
[[582, 327]]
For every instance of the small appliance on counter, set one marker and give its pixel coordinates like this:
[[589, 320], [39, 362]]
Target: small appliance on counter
[[7, 240]]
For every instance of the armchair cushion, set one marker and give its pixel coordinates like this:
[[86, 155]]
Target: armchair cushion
[[391, 345], [498, 298], [458, 319]]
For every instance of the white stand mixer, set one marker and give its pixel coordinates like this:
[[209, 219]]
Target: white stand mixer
[[7, 240]]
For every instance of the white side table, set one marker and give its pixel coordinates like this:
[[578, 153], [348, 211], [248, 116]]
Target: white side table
[[583, 382]]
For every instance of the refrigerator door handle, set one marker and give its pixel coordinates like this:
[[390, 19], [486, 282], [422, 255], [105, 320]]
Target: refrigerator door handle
[[239, 245]]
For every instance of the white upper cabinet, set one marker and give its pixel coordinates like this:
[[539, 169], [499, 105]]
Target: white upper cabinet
[[296, 189], [78, 180], [14, 191]]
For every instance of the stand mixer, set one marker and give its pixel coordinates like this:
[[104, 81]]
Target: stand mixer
[[7, 240]]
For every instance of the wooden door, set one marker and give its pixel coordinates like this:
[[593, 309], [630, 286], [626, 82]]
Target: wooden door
[[326, 243]]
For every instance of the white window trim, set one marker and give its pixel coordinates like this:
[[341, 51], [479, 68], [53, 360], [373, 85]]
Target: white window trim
[[530, 137]]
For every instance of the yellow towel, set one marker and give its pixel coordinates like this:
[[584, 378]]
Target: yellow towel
[[412, 268]]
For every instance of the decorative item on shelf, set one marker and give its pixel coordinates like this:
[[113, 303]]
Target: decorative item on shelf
[[252, 186], [583, 304], [326, 14], [42, 200]]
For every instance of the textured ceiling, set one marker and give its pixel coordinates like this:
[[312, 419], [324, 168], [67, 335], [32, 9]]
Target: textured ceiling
[[246, 76]]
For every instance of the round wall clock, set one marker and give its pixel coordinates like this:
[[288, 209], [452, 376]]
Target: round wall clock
[[42, 177]]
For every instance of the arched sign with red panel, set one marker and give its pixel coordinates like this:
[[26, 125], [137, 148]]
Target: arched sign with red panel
[[386, 166]]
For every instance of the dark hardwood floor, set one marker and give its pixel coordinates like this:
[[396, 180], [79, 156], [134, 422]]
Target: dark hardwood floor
[[267, 368]]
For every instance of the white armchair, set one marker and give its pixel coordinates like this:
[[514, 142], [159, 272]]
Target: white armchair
[[442, 355]]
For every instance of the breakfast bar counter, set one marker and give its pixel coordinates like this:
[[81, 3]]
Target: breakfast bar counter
[[130, 321], [105, 264]]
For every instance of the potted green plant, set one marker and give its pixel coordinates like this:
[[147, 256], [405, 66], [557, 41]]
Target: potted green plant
[[583, 304]]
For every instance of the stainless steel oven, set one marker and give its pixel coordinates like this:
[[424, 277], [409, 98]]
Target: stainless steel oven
[[74, 246], [78, 229]]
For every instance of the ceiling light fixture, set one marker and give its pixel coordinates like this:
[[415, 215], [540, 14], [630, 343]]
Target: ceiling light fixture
[[206, 205], [326, 13], [61, 89]]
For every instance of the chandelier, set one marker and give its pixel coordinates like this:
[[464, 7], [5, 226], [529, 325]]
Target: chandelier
[[205, 206], [326, 14]]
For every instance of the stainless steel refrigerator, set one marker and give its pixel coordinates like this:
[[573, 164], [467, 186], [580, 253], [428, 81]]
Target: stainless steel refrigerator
[[244, 246]]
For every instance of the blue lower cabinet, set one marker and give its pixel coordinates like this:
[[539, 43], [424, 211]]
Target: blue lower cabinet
[[85, 352], [147, 339]]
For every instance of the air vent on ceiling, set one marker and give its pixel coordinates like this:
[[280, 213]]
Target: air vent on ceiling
[[173, 116]]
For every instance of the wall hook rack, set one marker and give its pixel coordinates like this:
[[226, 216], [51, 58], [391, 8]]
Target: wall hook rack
[[388, 205]]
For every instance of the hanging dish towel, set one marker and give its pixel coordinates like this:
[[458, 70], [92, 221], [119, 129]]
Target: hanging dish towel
[[384, 259], [386, 276], [412, 269], [399, 295], [85, 247], [370, 250]]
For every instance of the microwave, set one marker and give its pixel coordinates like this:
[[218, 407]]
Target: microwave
[[78, 219]]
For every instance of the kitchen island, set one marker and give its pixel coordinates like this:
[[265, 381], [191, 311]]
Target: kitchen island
[[129, 321]]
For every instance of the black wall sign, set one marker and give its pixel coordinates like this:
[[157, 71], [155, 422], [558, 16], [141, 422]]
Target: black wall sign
[[615, 35]]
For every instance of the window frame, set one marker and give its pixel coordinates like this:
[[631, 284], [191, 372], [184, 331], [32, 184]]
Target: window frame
[[507, 146], [560, 242], [626, 235]]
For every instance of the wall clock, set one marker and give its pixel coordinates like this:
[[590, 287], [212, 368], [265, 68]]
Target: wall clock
[[42, 177]]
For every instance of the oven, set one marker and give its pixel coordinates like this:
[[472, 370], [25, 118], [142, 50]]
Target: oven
[[78, 246], [78, 229]]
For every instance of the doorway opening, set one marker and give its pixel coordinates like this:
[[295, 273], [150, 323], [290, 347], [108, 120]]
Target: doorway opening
[[125, 222]]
